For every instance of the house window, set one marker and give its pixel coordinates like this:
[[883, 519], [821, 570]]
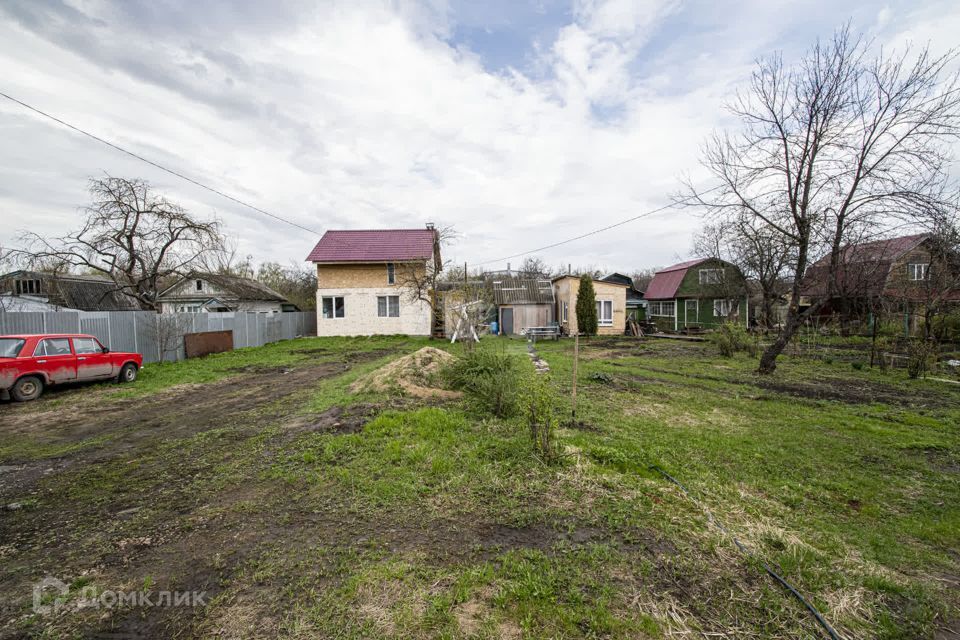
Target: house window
[[333, 307], [918, 271], [199, 285], [564, 311], [662, 309], [605, 313], [27, 286], [188, 308], [722, 307], [391, 273], [711, 276], [388, 306]]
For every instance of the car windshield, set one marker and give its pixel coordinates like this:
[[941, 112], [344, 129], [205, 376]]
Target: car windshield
[[10, 347]]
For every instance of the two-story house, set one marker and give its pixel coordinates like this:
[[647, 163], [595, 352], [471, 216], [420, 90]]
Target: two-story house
[[376, 282], [698, 294]]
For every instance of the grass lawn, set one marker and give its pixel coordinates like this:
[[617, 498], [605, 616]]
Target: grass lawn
[[304, 510]]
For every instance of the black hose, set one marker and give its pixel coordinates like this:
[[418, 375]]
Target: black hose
[[744, 550]]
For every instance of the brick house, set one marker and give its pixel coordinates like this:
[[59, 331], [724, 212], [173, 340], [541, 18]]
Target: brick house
[[376, 282], [698, 294]]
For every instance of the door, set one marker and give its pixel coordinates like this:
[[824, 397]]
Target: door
[[691, 312], [55, 359], [92, 362], [506, 321]]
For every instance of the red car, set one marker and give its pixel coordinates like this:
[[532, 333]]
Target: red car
[[28, 363]]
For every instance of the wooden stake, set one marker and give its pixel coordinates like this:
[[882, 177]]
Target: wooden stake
[[576, 357]]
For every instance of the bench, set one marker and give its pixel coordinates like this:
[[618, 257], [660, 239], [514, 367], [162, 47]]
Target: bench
[[552, 331]]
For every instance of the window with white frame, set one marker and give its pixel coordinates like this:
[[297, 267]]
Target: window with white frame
[[722, 307], [564, 311], [662, 309], [391, 273], [188, 308], [333, 307], [605, 313], [388, 306], [711, 276], [918, 271]]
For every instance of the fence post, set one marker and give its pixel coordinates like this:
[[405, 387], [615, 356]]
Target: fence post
[[576, 357]]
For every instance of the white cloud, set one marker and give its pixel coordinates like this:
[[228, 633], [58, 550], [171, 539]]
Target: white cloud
[[365, 115]]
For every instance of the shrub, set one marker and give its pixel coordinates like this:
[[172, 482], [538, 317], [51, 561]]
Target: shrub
[[946, 327], [921, 354], [858, 366], [731, 338], [492, 376], [586, 307], [542, 419]]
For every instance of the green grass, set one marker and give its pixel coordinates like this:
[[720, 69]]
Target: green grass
[[439, 521]]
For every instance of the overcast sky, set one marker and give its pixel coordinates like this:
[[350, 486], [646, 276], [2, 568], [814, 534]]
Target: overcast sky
[[521, 124]]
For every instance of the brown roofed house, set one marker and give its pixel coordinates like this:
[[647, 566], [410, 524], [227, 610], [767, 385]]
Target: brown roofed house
[[218, 292]]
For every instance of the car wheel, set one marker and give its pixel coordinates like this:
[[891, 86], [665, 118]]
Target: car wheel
[[128, 373], [27, 388]]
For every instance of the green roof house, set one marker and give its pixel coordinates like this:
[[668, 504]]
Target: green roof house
[[699, 294]]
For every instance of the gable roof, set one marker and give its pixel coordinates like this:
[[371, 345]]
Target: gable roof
[[864, 267], [238, 287], [522, 291], [79, 292], [665, 282], [377, 245]]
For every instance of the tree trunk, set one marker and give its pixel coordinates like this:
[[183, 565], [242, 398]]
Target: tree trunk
[[768, 361]]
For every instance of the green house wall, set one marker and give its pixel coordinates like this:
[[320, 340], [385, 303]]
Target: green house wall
[[701, 313]]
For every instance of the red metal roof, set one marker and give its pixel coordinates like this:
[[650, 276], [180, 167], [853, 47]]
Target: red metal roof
[[665, 282], [378, 245]]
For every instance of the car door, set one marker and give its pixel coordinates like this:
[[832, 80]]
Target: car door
[[55, 358], [93, 363]]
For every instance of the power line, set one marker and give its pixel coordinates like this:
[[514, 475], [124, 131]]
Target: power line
[[601, 230], [158, 165]]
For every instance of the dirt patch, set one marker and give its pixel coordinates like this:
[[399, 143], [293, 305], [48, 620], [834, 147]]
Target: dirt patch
[[261, 369], [416, 375], [351, 419], [580, 425]]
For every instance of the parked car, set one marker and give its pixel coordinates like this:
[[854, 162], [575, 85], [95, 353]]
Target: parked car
[[30, 363]]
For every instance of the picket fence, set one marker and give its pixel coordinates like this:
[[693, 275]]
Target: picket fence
[[143, 332]]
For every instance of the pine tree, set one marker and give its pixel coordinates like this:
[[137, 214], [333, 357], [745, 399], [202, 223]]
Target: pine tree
[[586, 307]]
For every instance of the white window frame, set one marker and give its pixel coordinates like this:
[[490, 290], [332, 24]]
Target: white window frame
[[564, 311], [724, 303], [921, 269], [656, 308], [601, 320], [708, 279], [391, 273], [390, 304], [333, 308]]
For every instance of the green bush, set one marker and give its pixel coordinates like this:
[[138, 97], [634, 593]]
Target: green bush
[[946, 327], [542, 419], [857, 365], [921, 356], [731, 338], [492, 376]]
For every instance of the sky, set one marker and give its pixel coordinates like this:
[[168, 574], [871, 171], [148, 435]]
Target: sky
[[519, 123]]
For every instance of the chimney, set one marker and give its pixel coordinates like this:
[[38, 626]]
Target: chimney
[[508, 270], [429, 225]]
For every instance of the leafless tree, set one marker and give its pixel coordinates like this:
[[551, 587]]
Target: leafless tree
[[841, 141], [133, 236], [419, 280], [297, 283], [755, 248], [642, 277], [167, 331], [534, 267]]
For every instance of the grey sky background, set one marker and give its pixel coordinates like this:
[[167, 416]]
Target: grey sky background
[[520, 124]]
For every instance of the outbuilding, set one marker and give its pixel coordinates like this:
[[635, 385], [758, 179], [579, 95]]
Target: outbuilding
[[523, 303]]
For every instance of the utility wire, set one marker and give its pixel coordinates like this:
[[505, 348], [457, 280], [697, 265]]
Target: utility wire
[[601, 230], [158, 165]]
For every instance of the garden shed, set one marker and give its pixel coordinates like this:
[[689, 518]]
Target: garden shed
[[523, 303]]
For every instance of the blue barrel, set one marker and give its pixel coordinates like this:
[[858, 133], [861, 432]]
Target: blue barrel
[[494, 327]]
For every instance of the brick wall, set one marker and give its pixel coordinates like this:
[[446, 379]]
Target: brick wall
[[360, 313]]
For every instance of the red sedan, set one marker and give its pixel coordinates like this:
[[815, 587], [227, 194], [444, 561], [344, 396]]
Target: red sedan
[[29, 363]]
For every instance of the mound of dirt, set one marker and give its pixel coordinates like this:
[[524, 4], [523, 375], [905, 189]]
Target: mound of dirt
[[416, 375]]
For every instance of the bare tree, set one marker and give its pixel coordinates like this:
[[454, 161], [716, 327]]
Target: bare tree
[[534, 267], [133, 236], [419, 280], [642, 277], [755, 248], [167, 331], [837, 143], [296, 283]]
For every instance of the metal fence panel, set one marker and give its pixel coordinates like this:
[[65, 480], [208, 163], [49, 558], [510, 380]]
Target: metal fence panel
[[142, 331]]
